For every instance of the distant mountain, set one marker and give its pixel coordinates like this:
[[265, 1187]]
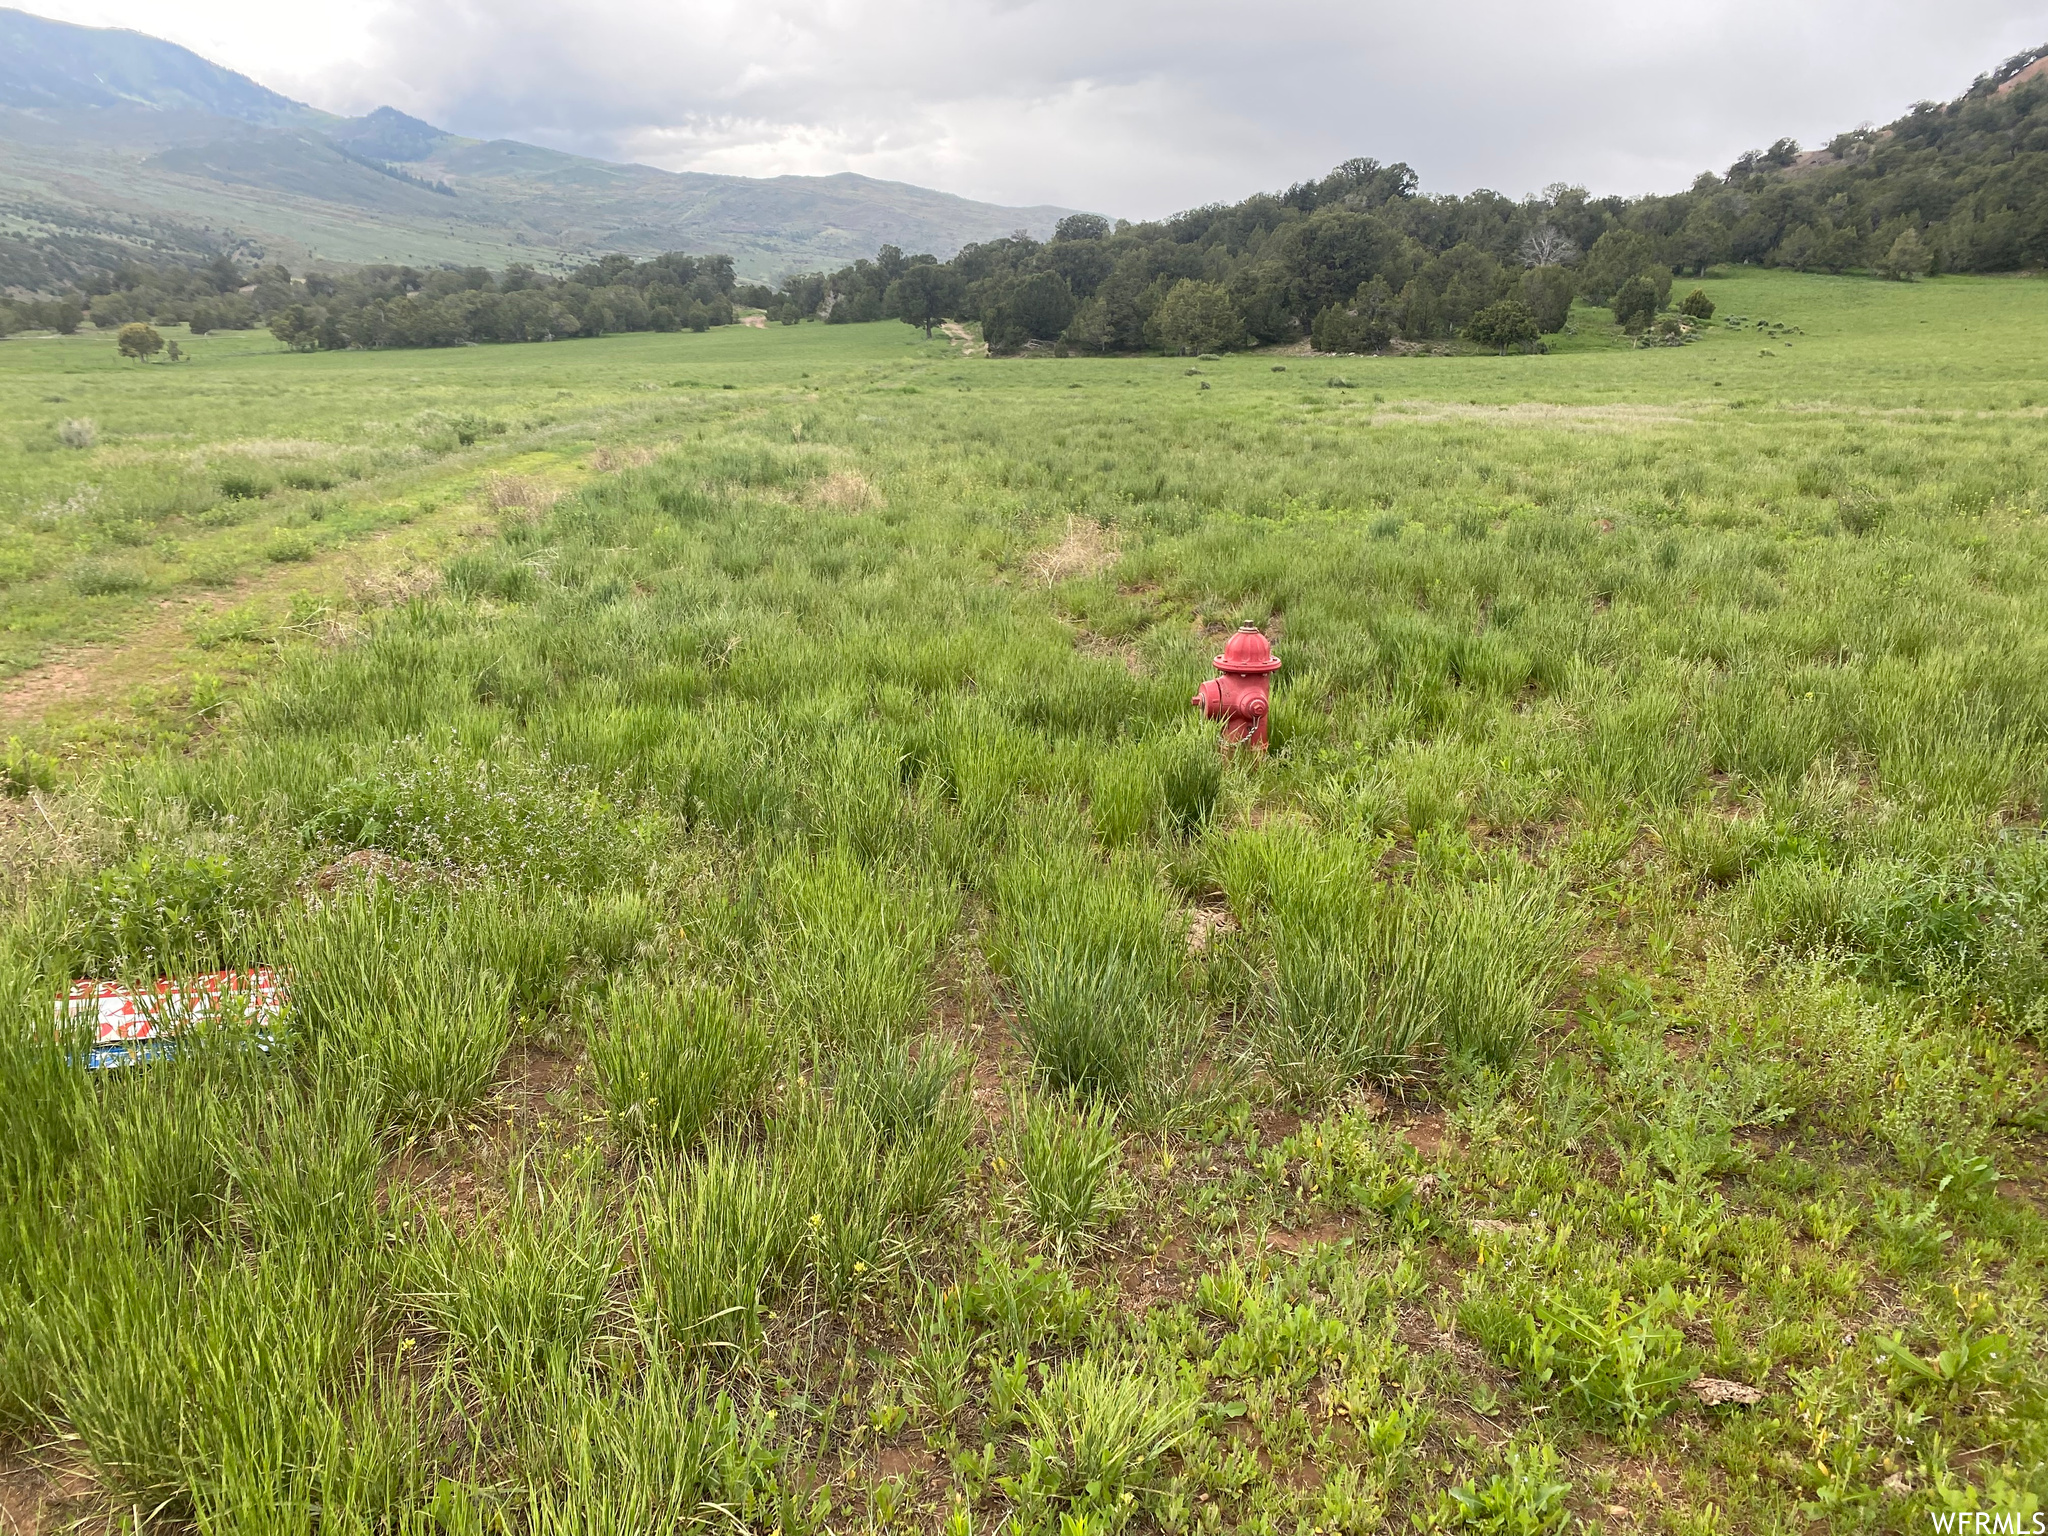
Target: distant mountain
[[115, 145], [50, 64]]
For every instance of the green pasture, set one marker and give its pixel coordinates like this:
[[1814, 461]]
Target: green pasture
[[796, 1027]]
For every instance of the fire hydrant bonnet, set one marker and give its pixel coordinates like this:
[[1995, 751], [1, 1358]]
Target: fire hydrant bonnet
[[1248, 651]]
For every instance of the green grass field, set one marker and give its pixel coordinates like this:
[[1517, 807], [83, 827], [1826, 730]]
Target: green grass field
[[796, 1027]]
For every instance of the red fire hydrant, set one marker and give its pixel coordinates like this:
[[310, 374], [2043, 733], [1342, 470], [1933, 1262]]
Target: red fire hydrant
[[1238, 698]]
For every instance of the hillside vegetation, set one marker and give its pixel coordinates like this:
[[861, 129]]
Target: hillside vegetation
[[795, 1026], [1363, 257]]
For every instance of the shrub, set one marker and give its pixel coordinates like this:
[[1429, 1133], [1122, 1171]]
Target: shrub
[[1697, 305], [1502, 325], [23, 769], [288, 546], [104, 578], [244, 485], [470, 428], [1906, 260], [160, 911]]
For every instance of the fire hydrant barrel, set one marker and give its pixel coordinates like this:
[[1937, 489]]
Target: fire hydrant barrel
[[1239, 697]]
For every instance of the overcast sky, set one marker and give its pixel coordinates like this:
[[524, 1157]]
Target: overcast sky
[[1133, 108]]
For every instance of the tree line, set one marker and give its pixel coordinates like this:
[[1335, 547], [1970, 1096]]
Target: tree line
[[1362, 259], [398, 306]]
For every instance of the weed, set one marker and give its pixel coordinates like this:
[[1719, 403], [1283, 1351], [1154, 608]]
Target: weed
[[1096, 1431], [1523, 1498]]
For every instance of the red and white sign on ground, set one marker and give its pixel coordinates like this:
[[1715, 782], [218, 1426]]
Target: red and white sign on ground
[[135, 1023]]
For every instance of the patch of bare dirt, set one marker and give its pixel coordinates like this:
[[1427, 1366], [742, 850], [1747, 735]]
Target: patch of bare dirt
[[1087, 550], [32, 693], [1423, 1129], [41, 1491], [387, 588], [2033, 71], [905, 1461], [964, 337], [1204, 924], [1713, 1392], [521, 493], [1331, 1230], [755, 322], [845, 490], [369, 864]]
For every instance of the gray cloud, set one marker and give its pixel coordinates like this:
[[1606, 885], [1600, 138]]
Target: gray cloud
[[1139, 107]]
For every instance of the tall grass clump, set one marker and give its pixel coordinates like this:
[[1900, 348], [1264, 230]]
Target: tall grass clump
[[518, 1295], [851, 962], [1165, 784], [45, 1097], [913, 1097], [1969, 930], [656, 1451], [672, 1065], [1097, 1430], [822, 1207], [376, 999], [718, 1239], [220, 1392], [1093, 963], [1066, 1159], [1371, 977]]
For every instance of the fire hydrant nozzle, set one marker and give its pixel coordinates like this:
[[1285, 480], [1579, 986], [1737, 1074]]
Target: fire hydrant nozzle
[[1239, 697]]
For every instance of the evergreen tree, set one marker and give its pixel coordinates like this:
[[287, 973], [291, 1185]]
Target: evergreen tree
[[1634, 304], [1547, 292], [139, 341], [1198, 317], [1502, 325], [923, 295], [1907, 258]]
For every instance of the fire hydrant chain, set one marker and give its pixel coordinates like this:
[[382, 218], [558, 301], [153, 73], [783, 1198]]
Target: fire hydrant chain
[[1239, 698]]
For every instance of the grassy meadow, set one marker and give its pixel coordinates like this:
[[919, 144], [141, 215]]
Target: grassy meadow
[[796, 1027]]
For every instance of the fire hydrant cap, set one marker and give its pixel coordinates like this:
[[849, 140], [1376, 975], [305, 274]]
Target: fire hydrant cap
[[1247, 651]]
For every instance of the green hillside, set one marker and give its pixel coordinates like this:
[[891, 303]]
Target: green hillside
[[113, 143]]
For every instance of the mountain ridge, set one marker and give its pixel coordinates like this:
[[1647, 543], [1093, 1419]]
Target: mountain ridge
[[116, 145]]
